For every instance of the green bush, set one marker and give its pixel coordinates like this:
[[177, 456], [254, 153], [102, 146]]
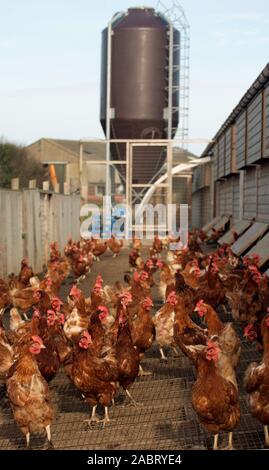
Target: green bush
[[14, 163]]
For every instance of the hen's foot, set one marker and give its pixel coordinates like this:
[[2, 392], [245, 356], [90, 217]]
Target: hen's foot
[[143, 373], [134, 403], [105, 421], [95, 419], [164, 360], [132, 400]]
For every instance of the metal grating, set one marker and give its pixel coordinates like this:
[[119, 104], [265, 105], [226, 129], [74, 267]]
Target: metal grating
[[164, 420]]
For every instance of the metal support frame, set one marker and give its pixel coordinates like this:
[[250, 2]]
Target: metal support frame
[[81, 166], [170, 81], [158, 181], [108, 99], [108, 106], [174, 12], [170, 186]]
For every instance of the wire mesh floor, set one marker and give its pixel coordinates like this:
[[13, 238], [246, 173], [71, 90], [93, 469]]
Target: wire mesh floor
[[163, 419]]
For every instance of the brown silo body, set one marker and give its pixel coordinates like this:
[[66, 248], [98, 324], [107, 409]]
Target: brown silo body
[[139, 84]]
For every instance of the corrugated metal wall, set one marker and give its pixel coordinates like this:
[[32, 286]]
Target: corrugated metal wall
[[227, 198], [217, 198], [244, 146], [222, 197], [30, 220], [181, 194], [201, 208], [254, 130], [266, 126], [255, 194], [196, 210], [228, 151], [241, 140], [201, 195], [263, 193], [250, 193], [221, 147], [236, 199]]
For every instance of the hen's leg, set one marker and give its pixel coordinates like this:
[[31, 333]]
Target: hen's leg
[[143, 373], [176, 352], [163, 357], [216, 437], [49, 436], [266, 435], [27, 439], [135, 403], [106, 418], [230, 443], [93, 418]]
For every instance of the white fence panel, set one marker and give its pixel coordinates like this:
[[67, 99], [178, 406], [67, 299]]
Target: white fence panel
[[11, 229], [30, 220], [33, 225]]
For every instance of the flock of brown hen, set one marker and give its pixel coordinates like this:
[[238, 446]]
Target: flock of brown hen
[[100, 338]]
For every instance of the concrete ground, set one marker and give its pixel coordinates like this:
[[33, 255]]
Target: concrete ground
[[163, 420]]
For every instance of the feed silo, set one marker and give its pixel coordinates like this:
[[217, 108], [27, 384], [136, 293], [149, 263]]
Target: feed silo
[[140, 74]]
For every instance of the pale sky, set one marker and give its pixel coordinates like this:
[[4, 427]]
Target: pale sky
[[50, 63]]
